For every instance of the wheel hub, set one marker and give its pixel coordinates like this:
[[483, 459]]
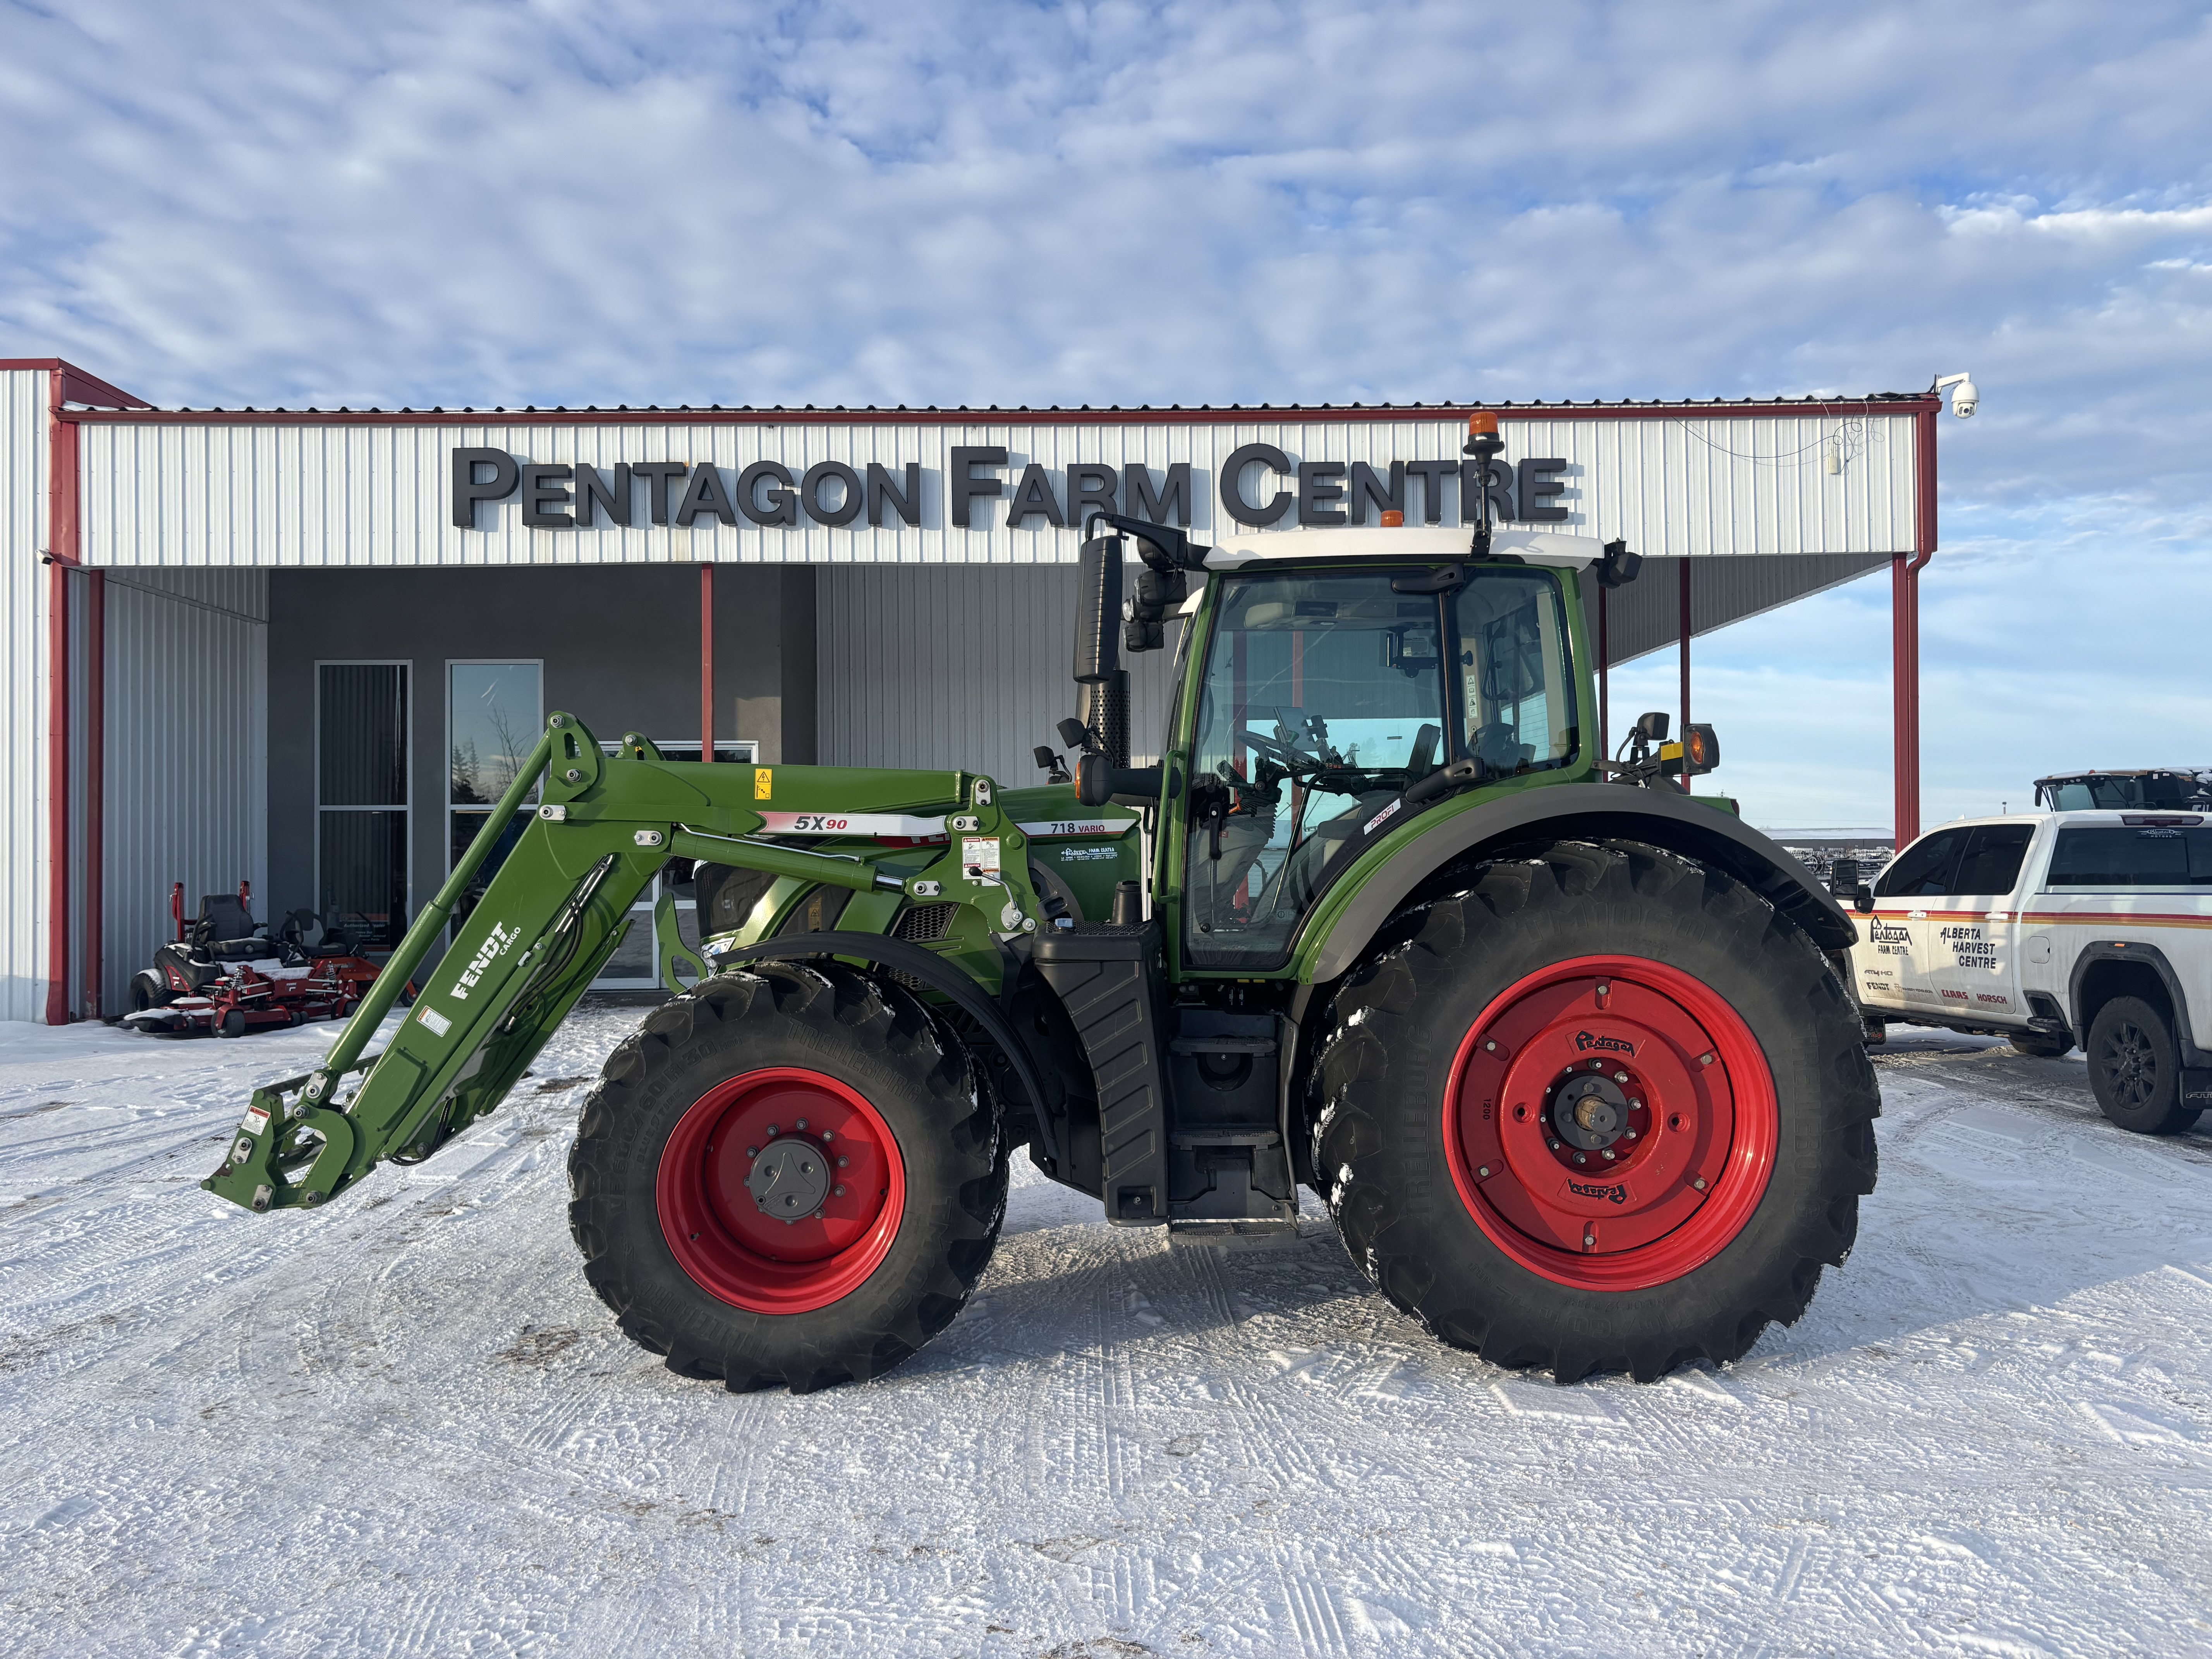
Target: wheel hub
[[1597, 1112], [790, 1179]]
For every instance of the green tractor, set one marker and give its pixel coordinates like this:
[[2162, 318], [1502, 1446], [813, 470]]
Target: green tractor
[[1562, 1047]]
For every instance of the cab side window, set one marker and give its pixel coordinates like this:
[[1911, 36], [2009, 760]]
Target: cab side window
[[2101, 856], [1925, 868], [1992, 860]]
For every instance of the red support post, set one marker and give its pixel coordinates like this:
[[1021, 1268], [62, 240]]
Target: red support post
[[1683, 733], [1905, 634], [95, 765], [706, 662], [61, 554]]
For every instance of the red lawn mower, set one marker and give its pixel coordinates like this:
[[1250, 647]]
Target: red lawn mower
[[225, 974]]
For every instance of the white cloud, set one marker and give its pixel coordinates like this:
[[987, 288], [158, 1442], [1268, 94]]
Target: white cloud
[[623, 202]]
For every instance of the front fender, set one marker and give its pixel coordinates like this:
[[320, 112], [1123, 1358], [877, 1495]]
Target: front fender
[[1341, 927]]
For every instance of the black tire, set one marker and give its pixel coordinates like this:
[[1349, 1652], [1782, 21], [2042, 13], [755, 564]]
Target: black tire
[[2135, 1070], [234, 1024], [148, 990], [878, 1039], [2036, 1046], [1385, 1059]]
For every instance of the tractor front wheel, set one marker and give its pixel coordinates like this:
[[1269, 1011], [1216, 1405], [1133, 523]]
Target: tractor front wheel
[[791, 1175], [1602, 1110]]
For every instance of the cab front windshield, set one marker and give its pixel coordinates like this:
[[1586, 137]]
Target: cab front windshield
[[1325, 696]]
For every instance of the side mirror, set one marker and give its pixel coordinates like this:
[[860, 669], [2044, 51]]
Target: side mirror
[[1619, 567], [1863, 901]]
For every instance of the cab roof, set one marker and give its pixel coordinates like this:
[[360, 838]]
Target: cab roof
[[1414, 542]]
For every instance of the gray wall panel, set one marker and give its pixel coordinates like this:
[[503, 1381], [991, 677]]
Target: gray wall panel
[[186, 773], [961, 666]]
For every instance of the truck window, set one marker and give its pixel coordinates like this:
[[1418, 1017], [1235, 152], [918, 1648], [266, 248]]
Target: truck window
[[2099, 855], [1925, 868], [1991, 864]]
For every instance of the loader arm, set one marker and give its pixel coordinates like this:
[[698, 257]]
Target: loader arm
[[558, 908]]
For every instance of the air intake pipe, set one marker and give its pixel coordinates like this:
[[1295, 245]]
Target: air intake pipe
[[1102, 772], [1103, 706]]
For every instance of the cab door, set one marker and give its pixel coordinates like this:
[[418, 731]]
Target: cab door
[[1973, 961], [1891, 961]]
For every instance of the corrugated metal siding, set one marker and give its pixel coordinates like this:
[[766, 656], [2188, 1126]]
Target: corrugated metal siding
[[368, 495], [187, 768], [960, 667], [23, 693]]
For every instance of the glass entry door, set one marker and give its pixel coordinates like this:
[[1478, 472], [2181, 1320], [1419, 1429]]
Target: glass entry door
[[493, 713]]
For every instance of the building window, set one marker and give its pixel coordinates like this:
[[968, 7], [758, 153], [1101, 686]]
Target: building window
[[493, 713], [361, 801], [634, 966]]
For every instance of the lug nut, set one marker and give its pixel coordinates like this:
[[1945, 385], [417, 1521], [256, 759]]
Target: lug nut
[[1555, 1145], [753, 1151], [1620, 1076], [827, 1136], [842, 1162], [1582, 1158], [1631, 1135], [840, 1192], [1608, 1154], [802, 1123], [771, 1132], [1635, 1105]]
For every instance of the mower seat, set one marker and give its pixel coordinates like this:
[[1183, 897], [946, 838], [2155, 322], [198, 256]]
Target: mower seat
[[225, 932]]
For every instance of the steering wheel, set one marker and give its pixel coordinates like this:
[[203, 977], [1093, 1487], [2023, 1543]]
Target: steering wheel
[[1284, 754]]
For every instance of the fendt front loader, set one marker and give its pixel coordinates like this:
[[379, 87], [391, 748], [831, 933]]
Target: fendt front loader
[[1561, 1047]]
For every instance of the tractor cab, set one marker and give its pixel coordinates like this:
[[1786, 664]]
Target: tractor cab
[[1332, 699]]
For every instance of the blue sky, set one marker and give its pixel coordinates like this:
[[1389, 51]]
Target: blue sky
[[617, 202]]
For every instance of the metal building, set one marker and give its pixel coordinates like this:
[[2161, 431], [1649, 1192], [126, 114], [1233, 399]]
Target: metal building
[[286, 645]]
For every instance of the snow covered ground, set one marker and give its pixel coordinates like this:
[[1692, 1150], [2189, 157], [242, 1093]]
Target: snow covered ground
[[402, 1424]]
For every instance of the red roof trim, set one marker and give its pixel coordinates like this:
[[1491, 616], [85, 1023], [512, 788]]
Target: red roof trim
[[77, 386], [1885, 403]]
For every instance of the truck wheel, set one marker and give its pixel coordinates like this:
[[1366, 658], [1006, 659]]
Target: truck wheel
[[2036, 1046], [791, 1175], [1602, 1110], [2134, 1071]]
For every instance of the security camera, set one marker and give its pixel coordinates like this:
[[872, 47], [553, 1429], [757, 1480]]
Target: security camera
[[1965, 398]]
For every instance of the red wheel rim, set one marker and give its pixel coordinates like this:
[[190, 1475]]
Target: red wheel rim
[[726, 1233], [1616, 1054]]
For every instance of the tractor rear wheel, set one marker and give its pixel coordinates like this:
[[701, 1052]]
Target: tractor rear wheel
[[1599, 1109], [792, 1175]]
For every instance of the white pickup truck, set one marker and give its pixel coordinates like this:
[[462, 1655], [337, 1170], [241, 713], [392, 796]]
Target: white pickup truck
[[2055, 928]]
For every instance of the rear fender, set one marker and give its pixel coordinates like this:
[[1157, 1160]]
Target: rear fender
[[1579, 812]]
